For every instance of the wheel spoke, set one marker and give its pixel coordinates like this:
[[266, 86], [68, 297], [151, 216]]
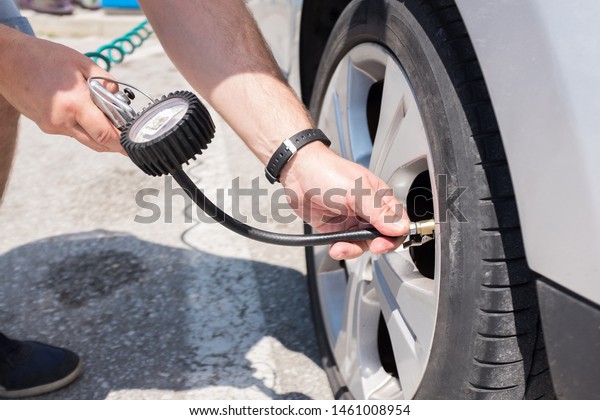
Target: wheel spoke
[[356, 346], [408, 304], [401, 138], [359, 84], [405, 354], [331, 284], [331, 297], [346, 347], [334, 111], [411, 293]]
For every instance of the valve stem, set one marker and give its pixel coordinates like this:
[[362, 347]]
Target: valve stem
[[420, 233], [423, 227]]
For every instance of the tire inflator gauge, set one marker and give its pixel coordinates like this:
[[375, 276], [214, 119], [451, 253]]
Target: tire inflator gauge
[[173, 130]]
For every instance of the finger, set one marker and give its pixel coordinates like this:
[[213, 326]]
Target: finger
[[110, 86], [384, 245], [383, 211], [327, 224], [347, 250], [97, 71], [98, 127], [94, 70], [82, 137]]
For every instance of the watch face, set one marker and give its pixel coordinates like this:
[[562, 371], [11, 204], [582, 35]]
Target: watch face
[[158, 120]]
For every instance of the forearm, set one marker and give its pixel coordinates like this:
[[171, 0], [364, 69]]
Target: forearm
[[228, 63]]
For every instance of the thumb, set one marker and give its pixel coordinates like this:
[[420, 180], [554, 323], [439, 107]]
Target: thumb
[[383, 210]]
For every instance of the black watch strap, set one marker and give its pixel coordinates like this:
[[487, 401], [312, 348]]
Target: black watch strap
[[288, 148]]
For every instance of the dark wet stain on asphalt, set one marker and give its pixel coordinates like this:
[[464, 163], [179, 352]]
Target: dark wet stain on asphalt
[[94, 275]]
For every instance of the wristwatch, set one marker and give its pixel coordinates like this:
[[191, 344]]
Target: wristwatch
[[288, 148]]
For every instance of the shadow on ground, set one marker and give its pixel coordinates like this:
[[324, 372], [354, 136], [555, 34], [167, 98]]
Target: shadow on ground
[[149, 317]]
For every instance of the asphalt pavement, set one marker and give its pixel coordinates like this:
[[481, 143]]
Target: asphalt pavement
[[173, 309]]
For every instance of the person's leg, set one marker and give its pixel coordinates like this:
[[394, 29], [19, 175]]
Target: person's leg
[[9, 119], [11, 16], [9, 116], [27, 368]]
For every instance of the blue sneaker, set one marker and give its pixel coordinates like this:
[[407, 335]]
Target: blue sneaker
[[29, 368]]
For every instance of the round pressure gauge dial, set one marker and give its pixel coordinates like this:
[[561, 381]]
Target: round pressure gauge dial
[[168, 133]]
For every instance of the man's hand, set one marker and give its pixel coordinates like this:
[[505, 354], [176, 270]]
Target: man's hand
[[334, 194], [47, 82]]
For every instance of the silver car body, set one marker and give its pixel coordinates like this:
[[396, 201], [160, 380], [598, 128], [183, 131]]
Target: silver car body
[[540, 61]]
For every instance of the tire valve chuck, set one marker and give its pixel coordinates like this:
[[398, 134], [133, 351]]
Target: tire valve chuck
[[419, 233]]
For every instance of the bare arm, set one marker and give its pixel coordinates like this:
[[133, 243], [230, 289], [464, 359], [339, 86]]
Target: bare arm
[[219, 49]]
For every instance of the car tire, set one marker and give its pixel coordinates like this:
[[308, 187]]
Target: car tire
[[484, 340]]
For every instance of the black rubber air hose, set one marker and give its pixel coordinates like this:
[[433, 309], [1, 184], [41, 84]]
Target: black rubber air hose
[[262, 235], [177, 128]]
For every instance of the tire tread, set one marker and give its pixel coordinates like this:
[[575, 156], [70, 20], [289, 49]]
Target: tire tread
[[508, 327]]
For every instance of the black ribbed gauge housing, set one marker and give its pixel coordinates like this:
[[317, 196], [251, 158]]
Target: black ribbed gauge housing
[[168, 133]]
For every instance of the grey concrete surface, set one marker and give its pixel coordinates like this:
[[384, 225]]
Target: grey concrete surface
[[180, 310]]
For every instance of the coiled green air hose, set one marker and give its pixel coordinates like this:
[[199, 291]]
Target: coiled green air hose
[[115, 52]]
